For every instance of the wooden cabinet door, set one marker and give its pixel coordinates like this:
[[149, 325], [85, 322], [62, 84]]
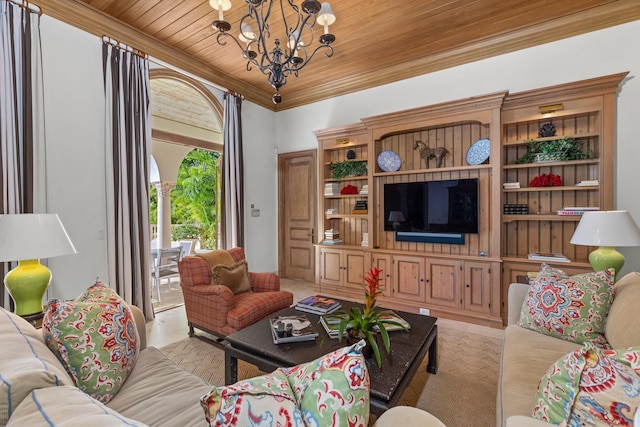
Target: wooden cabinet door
[[383, 262], [477, 287], [354, 264], [443, 282], [408, 278], [330, 266]]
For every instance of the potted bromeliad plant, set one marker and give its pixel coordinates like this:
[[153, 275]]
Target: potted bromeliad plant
[[366, 323]]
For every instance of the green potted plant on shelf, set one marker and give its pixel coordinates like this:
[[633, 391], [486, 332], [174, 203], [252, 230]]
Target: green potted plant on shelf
[[364, 324], [347, 168], [563, 149]]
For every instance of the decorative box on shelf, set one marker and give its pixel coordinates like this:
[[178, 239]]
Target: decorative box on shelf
[[515, 209]]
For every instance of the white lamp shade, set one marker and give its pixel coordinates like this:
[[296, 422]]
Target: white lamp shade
[[325, 15], [33, 236], [607, 228]]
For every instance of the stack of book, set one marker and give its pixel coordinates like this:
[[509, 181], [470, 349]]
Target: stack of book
[[364, 189], [507, 185], [545, 256], [360, 207], [331, 237], [577, 210], [316, 304], [588, 183], [286, 329], [331, 189], [331, 211], [331, 324]]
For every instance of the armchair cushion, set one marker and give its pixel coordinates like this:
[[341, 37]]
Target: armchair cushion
[[235, 277], [331, 390], [623, 323]]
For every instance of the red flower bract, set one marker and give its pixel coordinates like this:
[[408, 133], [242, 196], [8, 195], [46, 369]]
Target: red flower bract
[[546, 180]]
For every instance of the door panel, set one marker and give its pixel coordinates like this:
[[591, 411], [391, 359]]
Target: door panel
[[477, 287], [409, 278], [354, 268], [444, 283], [297, 206]]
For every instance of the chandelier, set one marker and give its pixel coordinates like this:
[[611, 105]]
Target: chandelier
[[274, 61]]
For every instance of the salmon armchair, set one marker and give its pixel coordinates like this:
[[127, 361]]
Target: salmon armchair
[[215, 308]]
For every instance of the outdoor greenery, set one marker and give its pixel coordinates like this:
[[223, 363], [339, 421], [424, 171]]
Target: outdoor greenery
[[563, 149], [194, 201], [347, 168]]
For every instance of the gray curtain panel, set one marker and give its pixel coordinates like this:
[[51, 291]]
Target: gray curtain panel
[[127, 144], [232, 174], [22, 142]]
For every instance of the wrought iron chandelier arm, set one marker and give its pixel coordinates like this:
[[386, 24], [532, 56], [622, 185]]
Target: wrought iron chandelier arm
[[329, 54]]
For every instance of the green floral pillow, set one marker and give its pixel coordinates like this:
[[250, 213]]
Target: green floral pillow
[[591, 386], [571, 308], [95, 338], [331, 390]]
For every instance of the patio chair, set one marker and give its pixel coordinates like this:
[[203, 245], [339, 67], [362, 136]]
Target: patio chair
[[165, 265]]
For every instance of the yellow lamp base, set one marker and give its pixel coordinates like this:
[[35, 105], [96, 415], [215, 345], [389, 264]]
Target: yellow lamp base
[[606, 257], [27, 284]]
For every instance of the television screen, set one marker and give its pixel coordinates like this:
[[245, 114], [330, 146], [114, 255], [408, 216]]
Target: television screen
[[445, 206]]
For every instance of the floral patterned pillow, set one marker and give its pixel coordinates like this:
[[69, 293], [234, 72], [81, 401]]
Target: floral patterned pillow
[[95, 338], [572, 308], [591, 386], [331, 390]]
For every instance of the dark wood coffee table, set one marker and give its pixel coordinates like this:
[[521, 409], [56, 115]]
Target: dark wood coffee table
[[254, 344]]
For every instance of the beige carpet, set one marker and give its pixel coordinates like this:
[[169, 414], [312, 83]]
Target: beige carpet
[[462, 393]]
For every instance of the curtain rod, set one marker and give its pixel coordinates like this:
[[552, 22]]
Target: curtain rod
[[234, 94], [26, 5], [120, 45]]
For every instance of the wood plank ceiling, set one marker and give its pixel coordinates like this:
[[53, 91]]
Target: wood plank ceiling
[[377, 42]]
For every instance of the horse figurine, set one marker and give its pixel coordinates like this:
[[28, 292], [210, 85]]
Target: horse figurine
[[427, 153]]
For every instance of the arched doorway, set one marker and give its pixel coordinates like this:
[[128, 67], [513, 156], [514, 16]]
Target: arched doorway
[[186, 115]]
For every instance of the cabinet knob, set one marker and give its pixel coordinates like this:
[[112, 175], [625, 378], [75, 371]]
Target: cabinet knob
[[468, 286]]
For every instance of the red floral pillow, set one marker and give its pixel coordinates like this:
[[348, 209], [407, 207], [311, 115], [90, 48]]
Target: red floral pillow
[[572, 308]]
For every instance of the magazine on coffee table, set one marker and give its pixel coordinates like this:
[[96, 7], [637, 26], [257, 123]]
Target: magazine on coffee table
[[287, 329], [395, 317], [316, 304]]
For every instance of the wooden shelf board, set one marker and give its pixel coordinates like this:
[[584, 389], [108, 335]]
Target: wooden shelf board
[[345, 196], [551, 138], [341, 216], [434, 170], [351, 178], [557, 188], [508, 258], [550, 164], [541, 217]]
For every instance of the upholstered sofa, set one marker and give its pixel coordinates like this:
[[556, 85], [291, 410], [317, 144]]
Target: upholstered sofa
[[527, 355], [216, 305], [37, 391]]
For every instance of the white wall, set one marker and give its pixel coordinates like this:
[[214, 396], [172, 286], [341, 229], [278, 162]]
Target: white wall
[[608, 51], [74, 126]]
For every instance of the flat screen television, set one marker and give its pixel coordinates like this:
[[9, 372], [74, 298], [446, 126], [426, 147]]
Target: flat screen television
[[441, 206]]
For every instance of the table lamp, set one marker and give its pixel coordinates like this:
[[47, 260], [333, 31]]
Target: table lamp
[[26, 238], [606, 229], [396, 217]]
